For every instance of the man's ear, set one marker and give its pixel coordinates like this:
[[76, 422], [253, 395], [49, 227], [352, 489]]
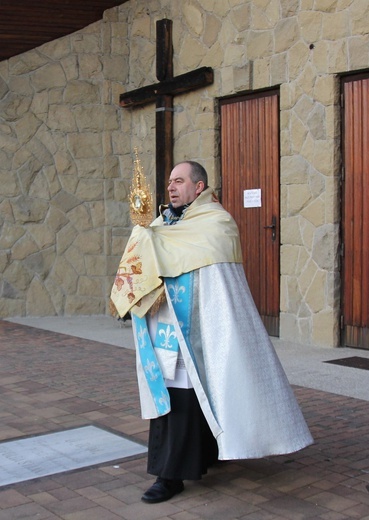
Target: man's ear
[[200, 187]]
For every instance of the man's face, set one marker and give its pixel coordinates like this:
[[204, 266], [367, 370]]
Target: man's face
[[181, 188]]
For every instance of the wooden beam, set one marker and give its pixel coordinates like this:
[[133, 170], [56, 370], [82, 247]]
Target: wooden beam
[[164, 50], [183, 83], [163, 146], [162, 94]]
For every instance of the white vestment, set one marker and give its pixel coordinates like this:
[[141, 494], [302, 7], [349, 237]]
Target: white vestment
[[236, 374], [230, 360]]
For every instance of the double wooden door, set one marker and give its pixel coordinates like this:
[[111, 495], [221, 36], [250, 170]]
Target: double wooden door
[[250, 192], [355, 212]]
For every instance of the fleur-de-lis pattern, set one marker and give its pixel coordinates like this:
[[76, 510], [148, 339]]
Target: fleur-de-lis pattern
[[164, 401], [150, 365], [141, 335], [180, 290], [166, 341], [149, 369], [168, 335], [175, 290]]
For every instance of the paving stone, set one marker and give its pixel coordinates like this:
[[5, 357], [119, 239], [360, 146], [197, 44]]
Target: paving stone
[[24, 512], [332, 501], [96, 513], [292, 508], [44, 373], [225, 508], [70, 505], [12, 498], [43, 498]]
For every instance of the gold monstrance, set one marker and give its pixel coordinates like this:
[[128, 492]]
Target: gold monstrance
[[140, 197]]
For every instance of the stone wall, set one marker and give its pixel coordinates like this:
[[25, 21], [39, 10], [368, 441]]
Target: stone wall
[[63, 193], [67, 152]]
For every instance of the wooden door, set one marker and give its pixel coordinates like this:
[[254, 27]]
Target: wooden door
[[355, 212], [250, 161]]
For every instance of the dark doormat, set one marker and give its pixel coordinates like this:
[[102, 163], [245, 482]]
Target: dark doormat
[[353, 362]]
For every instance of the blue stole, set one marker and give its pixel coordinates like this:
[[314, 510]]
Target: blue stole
[[165, 343]]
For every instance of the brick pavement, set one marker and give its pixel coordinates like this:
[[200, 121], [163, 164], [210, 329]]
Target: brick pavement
[[51, 382]]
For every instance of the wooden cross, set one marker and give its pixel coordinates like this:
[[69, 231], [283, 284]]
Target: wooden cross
[[162, 93]]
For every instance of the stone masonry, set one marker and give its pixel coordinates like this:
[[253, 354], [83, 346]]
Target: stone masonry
[[63, 190], [66, 146]]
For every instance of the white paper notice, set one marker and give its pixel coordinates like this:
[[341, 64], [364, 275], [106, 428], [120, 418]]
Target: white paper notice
[[252, 198]]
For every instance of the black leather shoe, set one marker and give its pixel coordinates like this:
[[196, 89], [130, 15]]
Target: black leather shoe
[[162, 490]]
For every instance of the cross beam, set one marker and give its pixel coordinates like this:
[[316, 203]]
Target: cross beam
[[182, 83], [162, 93]]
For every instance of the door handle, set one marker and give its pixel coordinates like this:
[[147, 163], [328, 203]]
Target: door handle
[[273, 227]]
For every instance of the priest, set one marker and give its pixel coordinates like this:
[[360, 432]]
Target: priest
[[209, 378]]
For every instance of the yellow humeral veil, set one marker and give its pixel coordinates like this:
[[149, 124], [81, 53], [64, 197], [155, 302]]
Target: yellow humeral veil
[[206, 235]]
